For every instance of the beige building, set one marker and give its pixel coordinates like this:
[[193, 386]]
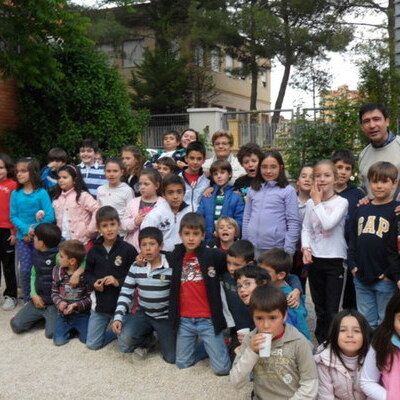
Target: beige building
[[232, 93]]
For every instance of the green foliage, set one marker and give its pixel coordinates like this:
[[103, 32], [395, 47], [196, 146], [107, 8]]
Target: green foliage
[[311, 141], [89, 99], [161, 82], [31, 34]]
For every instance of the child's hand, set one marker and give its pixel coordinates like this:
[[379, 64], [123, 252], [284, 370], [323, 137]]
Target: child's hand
[[316, 194], [75, 277], [116, 327], [397, 210], [62, 306], [139, 219], [354, 271], [257, 342], [110, 280], [11, 239], [70, 308], [307, 256], [398, 284], [366, 200], [293, 298], [99, 285], [180, 164], [208, 192], [38, 301], [27, 238], [140, 260], [39, 215], [384, 278]]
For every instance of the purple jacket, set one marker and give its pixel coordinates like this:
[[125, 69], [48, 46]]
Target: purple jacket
[[271, 217]]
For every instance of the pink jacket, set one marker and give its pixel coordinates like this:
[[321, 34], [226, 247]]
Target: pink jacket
[[81, 215], [335, 382], [128, 222]]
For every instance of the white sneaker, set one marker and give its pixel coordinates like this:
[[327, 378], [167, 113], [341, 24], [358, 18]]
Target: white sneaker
[[9, 303]]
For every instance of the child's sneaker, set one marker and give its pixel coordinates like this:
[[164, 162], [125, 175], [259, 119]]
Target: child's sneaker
[[140, 353], [9, 303]]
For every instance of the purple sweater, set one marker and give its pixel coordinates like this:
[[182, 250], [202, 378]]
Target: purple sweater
[[271, 217]]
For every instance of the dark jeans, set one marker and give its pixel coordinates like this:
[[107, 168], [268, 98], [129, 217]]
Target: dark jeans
[[326, 279], [137, 330], [29, 316], [7, 259], [68, 325]]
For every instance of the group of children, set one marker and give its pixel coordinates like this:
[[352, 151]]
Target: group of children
[[125, 251]]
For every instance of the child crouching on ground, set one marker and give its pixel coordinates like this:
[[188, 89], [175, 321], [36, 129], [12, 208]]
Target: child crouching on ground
[[73, 303], [289, 372], [152, 282]]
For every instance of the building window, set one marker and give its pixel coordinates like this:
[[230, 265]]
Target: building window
[[199, 56], [215, 60], [109, 51], [228, 65], [132, 52]]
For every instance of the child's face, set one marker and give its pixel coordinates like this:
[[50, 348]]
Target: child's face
[[225, 231], [174, 195], [113, 173], [245, 287], [350, 339], [65, 181], [250, 164], [37, 244], [191, 238], [272, 273], [129, 161], [382, 190], [270, 169], [147, 187], [65, 261], [163, 169], [109, 230], [188, 137], [99, 159], [170, 142], [305, 180], [397, 323], [344, 172], [194, 160], [324, 178], [269, 322], [22, 173], [3, 171], [221, 177], [234, 263], [150, 249], [87, 155]]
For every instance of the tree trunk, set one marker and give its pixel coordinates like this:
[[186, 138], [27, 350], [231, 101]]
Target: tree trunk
[[281, 94], [254, 83]]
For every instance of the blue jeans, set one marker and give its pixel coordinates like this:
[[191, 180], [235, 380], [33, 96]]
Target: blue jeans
[[137, 330], [98, 335], [372, 299], [66, 325], [192, 328]]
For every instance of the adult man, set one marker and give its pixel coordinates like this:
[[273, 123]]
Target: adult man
[[384, 145]]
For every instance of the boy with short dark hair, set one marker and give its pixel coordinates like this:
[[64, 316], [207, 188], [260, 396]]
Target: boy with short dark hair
[[165, 166], [278, 264], [40, 306], [195, 298], [375, 278], [289, 372], [249, 156], [107, 264], [152, 283], [72, 303], [168, 214], [224, 200], [196, 181], [56, 158], [92, 172]]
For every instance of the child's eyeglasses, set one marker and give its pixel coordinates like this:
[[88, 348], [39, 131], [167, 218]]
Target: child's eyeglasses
[[244, 286]]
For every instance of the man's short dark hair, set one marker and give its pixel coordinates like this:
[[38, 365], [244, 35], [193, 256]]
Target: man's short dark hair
[[366, 107], [277, 259], [73, 249], [106, 213], [248, 149], [193, 220], [242, 248], [382, 171], [172, 179], [90, 143], [151, 232], [57, 154], [345, 156], [196, 146], [252, 271], [49, 234], [223, 165], [268, 298]]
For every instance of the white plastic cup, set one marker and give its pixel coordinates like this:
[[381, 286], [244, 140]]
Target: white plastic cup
[[265, 351], [243, 331]]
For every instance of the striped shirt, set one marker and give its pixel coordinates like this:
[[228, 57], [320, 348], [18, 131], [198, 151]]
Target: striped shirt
[[153, 287], [93, 176]]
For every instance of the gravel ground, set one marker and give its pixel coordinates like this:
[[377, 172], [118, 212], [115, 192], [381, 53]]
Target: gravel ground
[[31, 367]]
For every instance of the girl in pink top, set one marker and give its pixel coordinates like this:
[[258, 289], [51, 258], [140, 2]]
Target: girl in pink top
[[381, 371], [340, 357], [74, 207], [139, 207]]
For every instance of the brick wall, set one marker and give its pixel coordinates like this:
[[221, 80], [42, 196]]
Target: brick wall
[[8, 104]]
